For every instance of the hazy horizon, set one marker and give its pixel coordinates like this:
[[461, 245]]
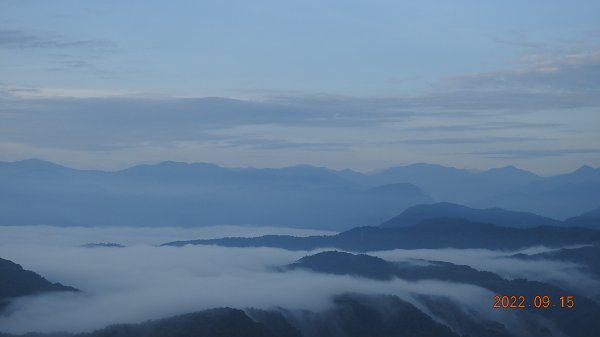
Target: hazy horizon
[[366, 172], [363, 86]]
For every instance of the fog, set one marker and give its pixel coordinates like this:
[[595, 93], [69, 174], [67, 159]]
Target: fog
[[51, 235], [143, 281], [566, 274]]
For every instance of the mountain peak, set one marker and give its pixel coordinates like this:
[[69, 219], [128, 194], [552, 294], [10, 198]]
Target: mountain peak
[[34, 164], [511, 169], [585, 169], [497, 216]]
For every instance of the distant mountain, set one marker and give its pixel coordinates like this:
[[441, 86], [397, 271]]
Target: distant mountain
[[588, 219], [341, 263], [434, 233], [588, 257], [582, 321], [397, 189], [584, 174], [496, 216], [448, 183], [560, 197], [181, 194], [16, 282]]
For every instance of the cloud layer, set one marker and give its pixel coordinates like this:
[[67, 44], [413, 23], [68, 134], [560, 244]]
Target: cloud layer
[[518, 114], [140, 282]]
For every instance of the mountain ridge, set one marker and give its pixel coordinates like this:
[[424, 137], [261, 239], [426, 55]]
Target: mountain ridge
[[495, 216], [15, 281], [428, 234]]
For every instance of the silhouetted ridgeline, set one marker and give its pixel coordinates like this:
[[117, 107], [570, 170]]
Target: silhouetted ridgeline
[[358, 315], [170, 193], [588, 219], [179, 194], [16, 281], [434, 233], [495, 216], [351, 316], [588, 256], [582, 320]]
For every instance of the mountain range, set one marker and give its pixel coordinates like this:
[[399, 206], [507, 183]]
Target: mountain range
[[559, 196], [352, 315], [587, 256], [431, 234], [583, 321], [181, 194], [495, 216], [357, 315]]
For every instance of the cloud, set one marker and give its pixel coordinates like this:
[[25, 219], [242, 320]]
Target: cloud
[[20, 39], [76, 236], [519, 40], [540, 98], [471, 140], [115, 122], [270, 144], [568, 275], [487, 126], [543, 79], [524, 153], [139, 283], [144, 282]]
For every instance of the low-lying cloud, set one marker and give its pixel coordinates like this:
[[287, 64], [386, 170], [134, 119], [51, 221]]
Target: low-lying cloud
[[566, 274], [144, 281]]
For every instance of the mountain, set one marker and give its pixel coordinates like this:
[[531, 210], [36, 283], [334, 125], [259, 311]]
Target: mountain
[[588, 257], [198, 194], [181, 194], [356, 315], [434, 233], [583, 320], [588, 219], [496, 216], [584, 174], [560, 197], [16, 282], [342, 263], [448, 183], [349, 315], [214, 322]]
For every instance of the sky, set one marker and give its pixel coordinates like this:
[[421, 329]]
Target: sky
[[343, 84]]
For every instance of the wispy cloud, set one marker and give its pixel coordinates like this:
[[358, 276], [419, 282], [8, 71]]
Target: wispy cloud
[[270, 144], [524, 153], [502, 106], [540, 80], [20, 39], [470, 140]]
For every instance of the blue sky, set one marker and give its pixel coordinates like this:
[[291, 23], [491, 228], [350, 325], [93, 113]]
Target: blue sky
[[343, 84]]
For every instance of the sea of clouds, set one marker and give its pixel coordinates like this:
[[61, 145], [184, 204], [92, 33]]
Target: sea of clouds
[[144, 281]]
